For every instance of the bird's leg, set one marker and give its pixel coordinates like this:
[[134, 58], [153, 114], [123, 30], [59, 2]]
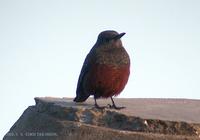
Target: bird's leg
[[114, 106], [97, 106]]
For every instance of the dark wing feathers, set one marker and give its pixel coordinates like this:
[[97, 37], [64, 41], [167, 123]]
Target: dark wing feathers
[[81, 94]]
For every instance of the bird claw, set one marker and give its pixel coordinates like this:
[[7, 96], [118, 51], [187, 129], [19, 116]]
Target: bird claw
[[115, 107], [109, 105]]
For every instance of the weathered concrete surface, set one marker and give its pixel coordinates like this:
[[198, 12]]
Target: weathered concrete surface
[[165, 109], [62, 119]]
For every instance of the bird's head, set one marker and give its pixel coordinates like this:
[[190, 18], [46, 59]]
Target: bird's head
[[110, 36]]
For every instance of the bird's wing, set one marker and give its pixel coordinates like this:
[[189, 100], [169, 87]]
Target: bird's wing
[[81, 95]]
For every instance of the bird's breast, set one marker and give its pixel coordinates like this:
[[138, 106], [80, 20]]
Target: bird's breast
[[113, 56], [107, 80]]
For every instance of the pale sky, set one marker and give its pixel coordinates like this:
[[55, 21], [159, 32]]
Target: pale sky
[[43, 44]]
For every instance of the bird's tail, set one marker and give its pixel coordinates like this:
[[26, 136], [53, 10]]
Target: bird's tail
[[81, 96]]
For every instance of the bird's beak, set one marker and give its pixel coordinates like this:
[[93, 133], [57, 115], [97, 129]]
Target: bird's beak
[[119, 36]]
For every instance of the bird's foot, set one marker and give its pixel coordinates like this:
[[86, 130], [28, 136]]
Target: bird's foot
[[116, 107], [100, 107]]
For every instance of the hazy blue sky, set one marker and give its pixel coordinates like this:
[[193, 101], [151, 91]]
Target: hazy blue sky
[[43, 44]]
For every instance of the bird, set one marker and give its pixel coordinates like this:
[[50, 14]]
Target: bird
[[105, 71]]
